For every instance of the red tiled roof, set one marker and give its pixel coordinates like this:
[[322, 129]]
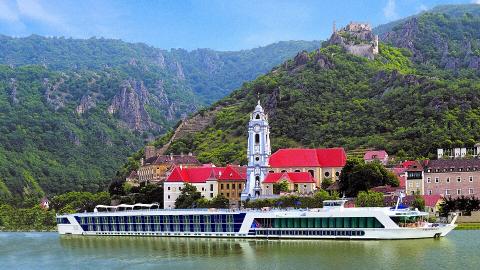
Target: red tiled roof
[[301, 157], [403, 180], [233, 173], [294, 177], [133, 174], [172, 159], [376, 154], [407, 163], [176, 175], [399, 170], [431, 200], [385, 189], [194, 174]]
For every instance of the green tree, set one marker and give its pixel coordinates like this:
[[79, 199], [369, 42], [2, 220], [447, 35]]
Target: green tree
[[369, 199], [326, 182], [418, 202], [281, 186], [358, 176], [79, 201], [152, 194], [188, 197], [219, 201]]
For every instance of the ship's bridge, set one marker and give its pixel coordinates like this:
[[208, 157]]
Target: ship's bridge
[[126, 207], [334, 203]]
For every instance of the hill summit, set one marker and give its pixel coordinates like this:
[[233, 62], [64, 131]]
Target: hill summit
[[356, 38]]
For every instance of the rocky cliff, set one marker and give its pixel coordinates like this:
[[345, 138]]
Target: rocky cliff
[[129, 104], [440, 37], [357, 39]]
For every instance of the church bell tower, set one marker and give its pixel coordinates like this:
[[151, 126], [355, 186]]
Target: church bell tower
[[258, 152]]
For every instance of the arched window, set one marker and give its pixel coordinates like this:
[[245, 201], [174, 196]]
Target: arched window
[[257, 116], [257, 138]]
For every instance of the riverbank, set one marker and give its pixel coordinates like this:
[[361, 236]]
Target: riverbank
[[468, 226], [458, 250]]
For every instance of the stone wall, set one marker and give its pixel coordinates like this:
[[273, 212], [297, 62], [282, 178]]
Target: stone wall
[[475, 217]]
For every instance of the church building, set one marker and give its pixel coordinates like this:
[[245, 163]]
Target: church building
[[258, 153]]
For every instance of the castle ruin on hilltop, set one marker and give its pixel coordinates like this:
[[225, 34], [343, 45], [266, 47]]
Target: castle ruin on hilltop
[[356, 38]]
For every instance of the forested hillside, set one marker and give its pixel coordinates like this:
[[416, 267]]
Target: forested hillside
[[447, 37], [210, 74], [71, 110], [331, 98]]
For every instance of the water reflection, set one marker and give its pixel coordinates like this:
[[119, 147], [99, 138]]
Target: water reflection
[[392, 252], [49, 251]]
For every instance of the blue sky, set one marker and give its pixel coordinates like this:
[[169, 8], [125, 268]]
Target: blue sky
[[190, 24]]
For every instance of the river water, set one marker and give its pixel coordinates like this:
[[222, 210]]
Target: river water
[[459, 250]]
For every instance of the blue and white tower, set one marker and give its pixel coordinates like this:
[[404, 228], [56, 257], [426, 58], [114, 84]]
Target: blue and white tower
[[258, 152]]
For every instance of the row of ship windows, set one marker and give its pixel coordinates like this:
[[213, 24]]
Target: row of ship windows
[[163, 219], [169, 234], [312, 233], [161, 227], [334, 222], [447, 180]]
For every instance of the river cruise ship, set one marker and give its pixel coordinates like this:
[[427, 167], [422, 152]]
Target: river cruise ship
[[333, 221]]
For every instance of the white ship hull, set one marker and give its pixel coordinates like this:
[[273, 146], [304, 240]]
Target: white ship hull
[[333, 223]]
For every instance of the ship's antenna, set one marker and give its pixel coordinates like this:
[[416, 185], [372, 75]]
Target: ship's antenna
[[399, 199]]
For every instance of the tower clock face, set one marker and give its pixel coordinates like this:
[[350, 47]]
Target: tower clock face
[[256, 128]]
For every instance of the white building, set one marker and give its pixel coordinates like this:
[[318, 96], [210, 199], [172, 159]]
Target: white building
[[458, 152], [203, 178], [258, 152]]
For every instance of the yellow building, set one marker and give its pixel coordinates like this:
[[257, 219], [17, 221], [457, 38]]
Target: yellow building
[[299, 182], [154, 169], [320, 163], [231, 183]]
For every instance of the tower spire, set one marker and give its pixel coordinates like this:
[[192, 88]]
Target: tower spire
[[258, 152]]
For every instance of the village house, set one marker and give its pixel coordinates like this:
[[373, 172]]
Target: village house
[[319, 163], [132, 178], [231, 183], [414, 178], [458, 152], [376, 155], [452, 177], [299, 182], [209, 180], [432, 202], [154, 169]]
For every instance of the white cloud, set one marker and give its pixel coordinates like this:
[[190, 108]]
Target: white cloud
[[389, 11], [34, 10], [423, 8], [7, 13], [476, 2]]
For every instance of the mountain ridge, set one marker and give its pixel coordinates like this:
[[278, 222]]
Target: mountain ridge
[[67, 127], [331, 98]]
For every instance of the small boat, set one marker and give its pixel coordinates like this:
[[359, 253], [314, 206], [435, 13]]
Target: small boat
[[333, 221]]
